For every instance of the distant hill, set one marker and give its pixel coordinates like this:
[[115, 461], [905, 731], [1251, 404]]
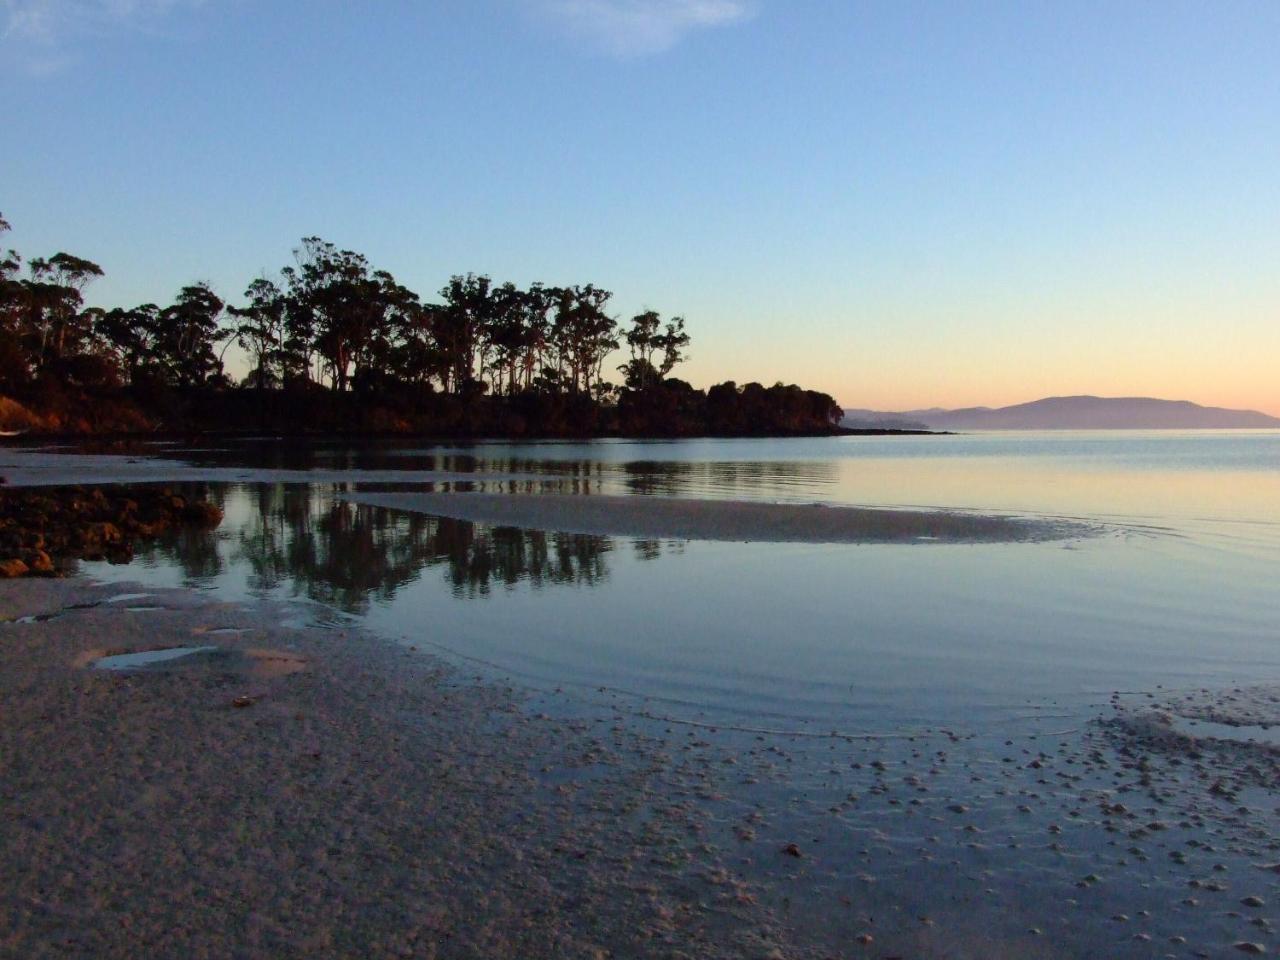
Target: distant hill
[[1073, 413]]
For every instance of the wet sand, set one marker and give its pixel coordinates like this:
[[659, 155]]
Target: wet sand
[[306, 789], [302, 791], [739, 521]]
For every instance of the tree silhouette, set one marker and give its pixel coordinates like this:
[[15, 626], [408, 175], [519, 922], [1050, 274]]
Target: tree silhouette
[[261, 333], [187, 331], [487, 358]]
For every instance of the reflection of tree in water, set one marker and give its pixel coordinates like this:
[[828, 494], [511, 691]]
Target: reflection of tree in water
[[326, 549], [303, 539], [193, 549], [478, 556], [676, 478], [346, 554]]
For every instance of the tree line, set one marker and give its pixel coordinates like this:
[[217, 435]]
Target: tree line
[[332, 323]]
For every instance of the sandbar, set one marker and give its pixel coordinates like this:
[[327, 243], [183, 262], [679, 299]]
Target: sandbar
[[731, 520]]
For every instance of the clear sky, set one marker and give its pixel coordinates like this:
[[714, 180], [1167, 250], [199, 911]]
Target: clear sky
[[902, 203]]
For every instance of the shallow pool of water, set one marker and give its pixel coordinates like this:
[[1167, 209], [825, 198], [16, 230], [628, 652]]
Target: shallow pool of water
[[141, 659], [1179, 590]]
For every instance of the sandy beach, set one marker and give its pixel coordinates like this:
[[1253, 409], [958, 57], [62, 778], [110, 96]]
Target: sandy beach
[[298, 788], [305, 792]]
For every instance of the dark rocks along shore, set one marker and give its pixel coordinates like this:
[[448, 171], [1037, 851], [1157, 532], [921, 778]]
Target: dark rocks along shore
[[44, 530]]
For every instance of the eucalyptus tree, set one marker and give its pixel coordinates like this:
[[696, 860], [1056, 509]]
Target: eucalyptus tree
[[583, 334], [416, 358], [639, 371], [390, 311], [536, 303], [14, 365], [673, 342], [462, 329], [130, 336], [42, 317], [261, 330], [512, 328], [655, 349], [10, 263], [331, 305], [55, 324], [187, 332]]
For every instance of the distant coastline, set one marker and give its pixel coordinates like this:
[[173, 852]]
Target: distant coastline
[[1073, 413], [118, 420]]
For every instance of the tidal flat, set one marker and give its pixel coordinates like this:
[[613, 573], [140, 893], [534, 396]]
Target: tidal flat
[[385, 732], [739, 521], [293, 788], [362, 801]]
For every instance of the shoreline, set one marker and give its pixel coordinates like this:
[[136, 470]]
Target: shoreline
[[310, 789], [367, 800], [12, 439]]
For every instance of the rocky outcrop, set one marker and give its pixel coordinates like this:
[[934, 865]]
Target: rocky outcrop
[[44, 530]]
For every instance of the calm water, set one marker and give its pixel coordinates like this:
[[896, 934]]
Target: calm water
[[1181, 590]]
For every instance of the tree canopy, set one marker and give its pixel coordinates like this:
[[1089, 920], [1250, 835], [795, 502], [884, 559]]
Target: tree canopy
[[333, 322]]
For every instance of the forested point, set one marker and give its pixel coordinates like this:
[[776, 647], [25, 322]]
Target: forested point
[[336, 346]]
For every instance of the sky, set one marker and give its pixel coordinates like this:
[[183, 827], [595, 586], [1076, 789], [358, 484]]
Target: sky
[[905, 204]]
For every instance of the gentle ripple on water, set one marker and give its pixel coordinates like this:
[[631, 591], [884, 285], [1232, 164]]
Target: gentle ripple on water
[[869, 636], [918, 722]]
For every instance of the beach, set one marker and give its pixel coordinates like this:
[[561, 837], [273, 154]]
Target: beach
[[353, 721], [323, 796], [289, 789]]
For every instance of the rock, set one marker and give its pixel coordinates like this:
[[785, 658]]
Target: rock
[[13, 568], [47, 528], [1253, 902], [103, 533], [241, 702], [792, 850], [40, 562], [1244, 946], [202, 513]]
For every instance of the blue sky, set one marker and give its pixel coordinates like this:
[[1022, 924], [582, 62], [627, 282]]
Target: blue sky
[[902, 203]]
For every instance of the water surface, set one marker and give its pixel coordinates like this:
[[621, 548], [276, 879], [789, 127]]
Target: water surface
[[917, 720], [1180, 589]]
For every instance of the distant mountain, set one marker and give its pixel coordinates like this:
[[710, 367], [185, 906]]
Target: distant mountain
[[1073, 413]]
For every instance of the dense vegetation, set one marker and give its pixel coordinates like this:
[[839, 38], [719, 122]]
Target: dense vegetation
[[336, 345]]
